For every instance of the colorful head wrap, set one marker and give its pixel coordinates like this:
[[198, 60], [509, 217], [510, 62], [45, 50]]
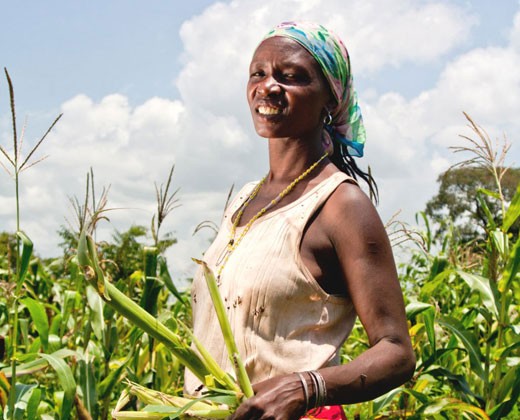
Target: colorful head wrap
[[327, 49]]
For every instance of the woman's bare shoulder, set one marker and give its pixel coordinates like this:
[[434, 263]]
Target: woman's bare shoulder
[[347, 198], [349, 212]]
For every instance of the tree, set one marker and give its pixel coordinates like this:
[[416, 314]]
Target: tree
[[457, 200]]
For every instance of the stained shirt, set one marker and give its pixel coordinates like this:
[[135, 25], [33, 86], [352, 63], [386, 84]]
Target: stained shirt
[[282, 320]]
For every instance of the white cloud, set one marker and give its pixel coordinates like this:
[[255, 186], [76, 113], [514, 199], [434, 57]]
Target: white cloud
[[439, 164], [219, 42], [483, 82]]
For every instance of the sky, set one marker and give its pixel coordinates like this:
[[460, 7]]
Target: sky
[[144, 85]]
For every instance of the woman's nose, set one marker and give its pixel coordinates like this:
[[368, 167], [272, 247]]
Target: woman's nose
[[269, 86]]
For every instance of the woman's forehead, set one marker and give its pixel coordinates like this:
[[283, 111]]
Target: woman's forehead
[[283, 49]]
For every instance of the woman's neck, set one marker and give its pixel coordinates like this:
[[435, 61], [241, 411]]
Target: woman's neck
[[288, 158]]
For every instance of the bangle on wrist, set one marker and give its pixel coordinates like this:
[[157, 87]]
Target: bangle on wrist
[[320, 388], [305, 391]]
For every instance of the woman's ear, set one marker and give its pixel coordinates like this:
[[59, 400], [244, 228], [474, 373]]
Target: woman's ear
[[332, 103]]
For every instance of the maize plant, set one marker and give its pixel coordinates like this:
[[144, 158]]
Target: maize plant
[[16, 398], [223, 393]]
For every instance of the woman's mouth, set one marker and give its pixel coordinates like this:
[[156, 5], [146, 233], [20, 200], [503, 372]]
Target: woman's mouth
[[268, 110]]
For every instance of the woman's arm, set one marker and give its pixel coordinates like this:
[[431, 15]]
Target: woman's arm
[[365, 257]]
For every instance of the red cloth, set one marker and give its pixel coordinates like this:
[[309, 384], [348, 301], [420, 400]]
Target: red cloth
[[332, 412]]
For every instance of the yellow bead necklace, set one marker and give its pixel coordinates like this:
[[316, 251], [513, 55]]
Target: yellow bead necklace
[[232, 244]]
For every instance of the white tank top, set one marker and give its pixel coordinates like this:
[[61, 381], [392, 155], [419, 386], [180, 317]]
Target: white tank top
[[282, 320]]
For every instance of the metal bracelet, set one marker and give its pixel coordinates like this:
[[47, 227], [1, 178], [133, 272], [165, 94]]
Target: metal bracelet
[[320, 388], [305, 390]]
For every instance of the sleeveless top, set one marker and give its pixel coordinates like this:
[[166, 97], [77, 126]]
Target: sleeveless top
[[282, 320]]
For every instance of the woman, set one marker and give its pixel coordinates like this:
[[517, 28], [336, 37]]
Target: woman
[[303, 251]]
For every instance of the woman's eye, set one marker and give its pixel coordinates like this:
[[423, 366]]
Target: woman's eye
[[257, 74], [294, 77]]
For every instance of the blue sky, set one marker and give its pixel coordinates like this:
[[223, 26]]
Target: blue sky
[[60, 48], [143, 85]]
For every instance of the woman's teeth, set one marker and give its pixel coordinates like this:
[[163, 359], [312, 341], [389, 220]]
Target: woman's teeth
[[267, 110]]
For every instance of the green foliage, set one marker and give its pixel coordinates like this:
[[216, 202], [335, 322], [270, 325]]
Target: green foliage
[[63, 352], [463, 310]]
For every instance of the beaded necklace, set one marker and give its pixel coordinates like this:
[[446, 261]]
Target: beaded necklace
[[233, 243]]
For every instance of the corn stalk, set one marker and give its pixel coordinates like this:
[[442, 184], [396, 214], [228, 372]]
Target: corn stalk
[[23, 244], [200, 362]]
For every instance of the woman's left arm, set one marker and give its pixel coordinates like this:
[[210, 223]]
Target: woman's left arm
[[369, 271]]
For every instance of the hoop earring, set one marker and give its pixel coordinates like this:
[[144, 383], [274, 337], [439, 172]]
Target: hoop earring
[[327, 120]]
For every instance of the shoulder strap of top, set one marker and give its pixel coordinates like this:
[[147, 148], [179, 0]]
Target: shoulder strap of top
[[319, 196]]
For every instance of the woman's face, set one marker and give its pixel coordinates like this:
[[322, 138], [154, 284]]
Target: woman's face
[[286, 91]]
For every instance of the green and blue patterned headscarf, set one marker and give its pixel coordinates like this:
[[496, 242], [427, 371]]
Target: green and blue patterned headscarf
[[327, 49]]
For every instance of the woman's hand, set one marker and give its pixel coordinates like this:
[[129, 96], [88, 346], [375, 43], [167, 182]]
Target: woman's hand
[[279, 398]]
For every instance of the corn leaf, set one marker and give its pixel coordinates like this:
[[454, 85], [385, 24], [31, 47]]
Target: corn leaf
[[513, 265], [430, 286], [87, 383], [505, 407], [33, 403], [469, 342], [142, 319], [484, 287], [69, 302], [54, 343], [106, 386], [513, 211], [22, 397], [55, 326], [384, 400], [4, 390], [218, 373], [101, 281], [25, 258], [429, 320], [415, 308], [485, 208], [500, 241], [66, 380], [458, 382], [39, 317], [509, 381], [451, 404], [32, 363], [490, 193], [23, 324], [96, 318], [426, 362], [505, 352]]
